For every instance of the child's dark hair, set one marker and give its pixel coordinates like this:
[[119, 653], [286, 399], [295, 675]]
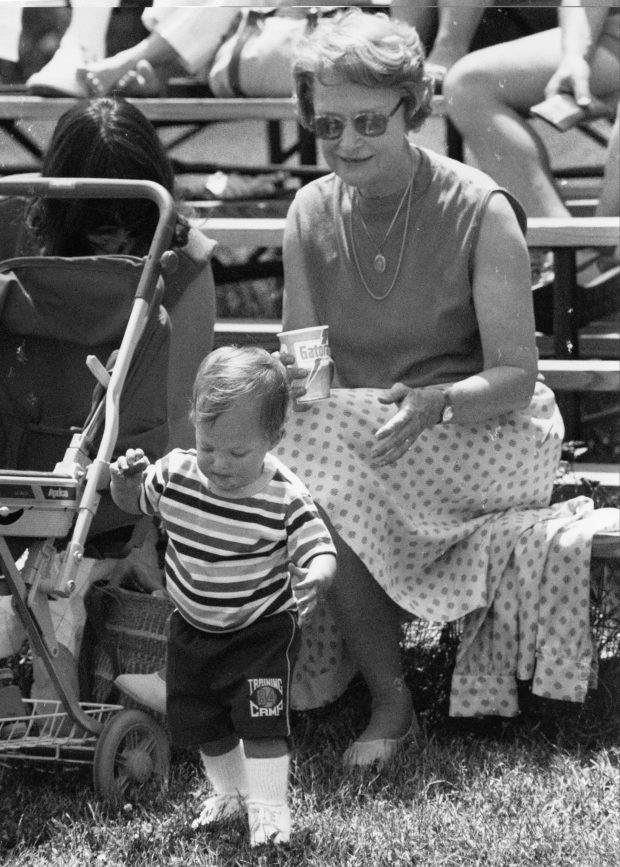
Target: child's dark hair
[[109, 138], [231, 372]]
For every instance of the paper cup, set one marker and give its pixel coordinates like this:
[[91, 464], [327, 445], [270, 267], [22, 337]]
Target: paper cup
[[310, 349]]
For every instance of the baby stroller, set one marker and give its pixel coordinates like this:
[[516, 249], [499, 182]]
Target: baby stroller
[[47, 316]]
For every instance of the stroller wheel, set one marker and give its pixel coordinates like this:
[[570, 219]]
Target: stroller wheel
[[132, 757]]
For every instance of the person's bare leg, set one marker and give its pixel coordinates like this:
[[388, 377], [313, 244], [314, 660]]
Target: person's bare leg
[[83, 42], [609, 198], [457, 26], [370, 623], [608, 204], [105, 74], [488, 96], [420, 15], [446, 29]]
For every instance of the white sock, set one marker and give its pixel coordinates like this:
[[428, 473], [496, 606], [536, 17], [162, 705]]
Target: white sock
[[268, 779], [227, 773]]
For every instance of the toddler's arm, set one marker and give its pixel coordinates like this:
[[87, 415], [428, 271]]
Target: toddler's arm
[[309, 585], [126, 480]]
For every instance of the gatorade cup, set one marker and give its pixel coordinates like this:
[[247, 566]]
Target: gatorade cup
[[310, 348]]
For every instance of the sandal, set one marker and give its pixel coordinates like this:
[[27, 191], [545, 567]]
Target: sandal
[[363, 754]]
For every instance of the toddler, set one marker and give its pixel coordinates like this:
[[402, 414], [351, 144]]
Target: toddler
[[246, 557]]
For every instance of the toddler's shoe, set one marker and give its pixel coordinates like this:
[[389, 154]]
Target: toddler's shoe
[[269, 823], [217, 808], [59, 76]]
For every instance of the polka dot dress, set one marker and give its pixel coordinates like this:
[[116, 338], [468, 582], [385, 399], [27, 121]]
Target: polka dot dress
[[458, 528]]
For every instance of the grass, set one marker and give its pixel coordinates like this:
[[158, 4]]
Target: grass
[[540, 790]]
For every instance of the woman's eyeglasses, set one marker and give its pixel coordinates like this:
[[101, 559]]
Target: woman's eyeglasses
[[367, 123]]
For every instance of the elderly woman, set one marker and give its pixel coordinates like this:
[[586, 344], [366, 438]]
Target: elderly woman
[[435, 455]]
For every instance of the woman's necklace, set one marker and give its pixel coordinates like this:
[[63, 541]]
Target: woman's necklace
[[379, 261], [380, 267]]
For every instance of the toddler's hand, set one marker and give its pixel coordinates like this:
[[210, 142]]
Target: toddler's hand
[[306, 590], [132, 463]]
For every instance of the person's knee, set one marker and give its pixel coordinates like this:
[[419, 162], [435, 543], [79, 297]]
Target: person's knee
[[468, 86]]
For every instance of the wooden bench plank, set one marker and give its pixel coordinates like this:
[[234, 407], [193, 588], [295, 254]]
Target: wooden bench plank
[[242, 232], [606, 546], [606, 475], [593, 343], [550, 232], [169, 109], [581, 374], [180, 110], [541, 232]]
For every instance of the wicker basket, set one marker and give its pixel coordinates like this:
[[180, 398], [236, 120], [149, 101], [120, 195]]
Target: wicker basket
[[126, 632]]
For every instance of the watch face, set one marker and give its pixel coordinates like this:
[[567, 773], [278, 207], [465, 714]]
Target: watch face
[[447, 414]]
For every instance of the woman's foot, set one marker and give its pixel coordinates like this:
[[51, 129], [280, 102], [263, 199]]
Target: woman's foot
[[392, 720], [142, 81], [120, 74]]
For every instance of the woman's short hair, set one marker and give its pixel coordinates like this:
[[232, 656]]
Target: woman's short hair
[[363, 48], [231, 372], [108, 138]]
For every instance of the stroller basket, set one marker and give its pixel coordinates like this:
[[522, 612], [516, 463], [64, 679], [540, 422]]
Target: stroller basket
[[47, 734]]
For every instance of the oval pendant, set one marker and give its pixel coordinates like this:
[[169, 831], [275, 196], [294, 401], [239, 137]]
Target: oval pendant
[[379, 263]]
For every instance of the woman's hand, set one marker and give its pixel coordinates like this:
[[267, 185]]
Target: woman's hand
[[418, 409], [572, 76], [293, 373]]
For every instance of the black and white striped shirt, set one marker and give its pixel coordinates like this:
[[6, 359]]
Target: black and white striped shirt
[[227, 556]]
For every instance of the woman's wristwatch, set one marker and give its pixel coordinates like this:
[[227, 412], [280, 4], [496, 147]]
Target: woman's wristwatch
[[447, 413]]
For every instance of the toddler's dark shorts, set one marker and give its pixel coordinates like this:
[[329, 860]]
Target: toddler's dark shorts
[[220, 684]]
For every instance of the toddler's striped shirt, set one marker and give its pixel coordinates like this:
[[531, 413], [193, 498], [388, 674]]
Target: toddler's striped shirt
[[226, 558]]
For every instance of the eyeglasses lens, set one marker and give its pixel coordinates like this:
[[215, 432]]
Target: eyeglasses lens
[[328, 126], [368, 123]]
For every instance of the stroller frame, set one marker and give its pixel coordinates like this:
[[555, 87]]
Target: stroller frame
[[127, 746]]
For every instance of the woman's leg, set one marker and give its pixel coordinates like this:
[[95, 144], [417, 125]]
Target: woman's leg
[[489, 94], [446, 29], [420, 15], [83, 42], [457, 26], [370, 623], [184, 37], [609, 199], [104, 75]]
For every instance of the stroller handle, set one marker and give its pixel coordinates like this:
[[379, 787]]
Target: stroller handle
[[100, 188]]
